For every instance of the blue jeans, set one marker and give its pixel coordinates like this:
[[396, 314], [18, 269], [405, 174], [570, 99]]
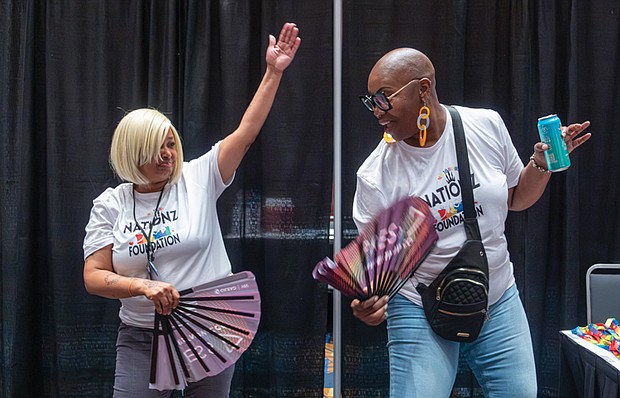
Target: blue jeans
[[133, 364], [423, 364]]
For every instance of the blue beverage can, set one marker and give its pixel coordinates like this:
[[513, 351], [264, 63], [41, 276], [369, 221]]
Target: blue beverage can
[[550, 131]]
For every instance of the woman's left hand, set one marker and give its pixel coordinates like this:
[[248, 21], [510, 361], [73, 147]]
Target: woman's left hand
[[279, 55], [571, 135]]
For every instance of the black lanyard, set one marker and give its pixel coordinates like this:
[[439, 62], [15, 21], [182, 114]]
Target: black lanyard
[[150, 248]]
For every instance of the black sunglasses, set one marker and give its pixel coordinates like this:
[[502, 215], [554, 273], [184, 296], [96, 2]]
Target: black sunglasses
[[380, 100]]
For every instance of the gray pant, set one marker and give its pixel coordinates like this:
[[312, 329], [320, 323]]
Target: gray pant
[[133, 367]]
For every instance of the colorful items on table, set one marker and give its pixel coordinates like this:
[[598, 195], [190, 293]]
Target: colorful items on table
[[605, 335]]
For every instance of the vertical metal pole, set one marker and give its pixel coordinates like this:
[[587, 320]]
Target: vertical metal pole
[[337, 299]]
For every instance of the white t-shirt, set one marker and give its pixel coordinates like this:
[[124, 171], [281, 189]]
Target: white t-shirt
[[394, 171], [190, 249]]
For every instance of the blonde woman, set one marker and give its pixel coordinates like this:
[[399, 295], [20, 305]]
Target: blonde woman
[[171, 204]]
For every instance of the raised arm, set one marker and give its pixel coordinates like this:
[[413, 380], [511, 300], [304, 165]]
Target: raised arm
[[279, 56], [532, 182]]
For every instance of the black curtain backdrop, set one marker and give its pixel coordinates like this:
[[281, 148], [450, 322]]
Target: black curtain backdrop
[[70, 69], [525, 59]]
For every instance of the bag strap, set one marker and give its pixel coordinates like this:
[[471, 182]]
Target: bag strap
[[467, 194]]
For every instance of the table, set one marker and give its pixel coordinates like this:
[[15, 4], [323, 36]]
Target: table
[[587, 370]]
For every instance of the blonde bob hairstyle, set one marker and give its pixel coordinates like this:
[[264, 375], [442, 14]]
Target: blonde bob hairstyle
[[137, 141]]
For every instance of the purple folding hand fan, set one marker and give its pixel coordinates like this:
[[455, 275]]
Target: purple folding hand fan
[[385, 254], [212, 326]]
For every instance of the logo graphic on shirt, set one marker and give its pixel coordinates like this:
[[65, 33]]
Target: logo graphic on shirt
[[141, 239], [162, 236], [446, 202]]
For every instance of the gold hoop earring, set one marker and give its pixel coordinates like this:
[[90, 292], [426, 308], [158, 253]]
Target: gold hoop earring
[[424, 115]]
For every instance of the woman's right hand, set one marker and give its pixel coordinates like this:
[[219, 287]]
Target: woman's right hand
[[371, 311], [164, 296]]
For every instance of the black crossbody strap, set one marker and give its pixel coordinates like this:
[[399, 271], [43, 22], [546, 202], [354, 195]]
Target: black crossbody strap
[[467, 194]]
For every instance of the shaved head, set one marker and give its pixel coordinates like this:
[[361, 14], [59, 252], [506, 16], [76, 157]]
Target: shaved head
[[406, 63]]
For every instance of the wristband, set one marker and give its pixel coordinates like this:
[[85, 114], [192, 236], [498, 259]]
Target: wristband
[[537, 167]]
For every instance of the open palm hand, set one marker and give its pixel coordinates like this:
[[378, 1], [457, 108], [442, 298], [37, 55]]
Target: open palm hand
[[279, 55], [572, 135]]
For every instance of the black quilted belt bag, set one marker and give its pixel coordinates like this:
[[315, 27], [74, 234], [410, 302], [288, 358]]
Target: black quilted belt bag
[[456, 302]]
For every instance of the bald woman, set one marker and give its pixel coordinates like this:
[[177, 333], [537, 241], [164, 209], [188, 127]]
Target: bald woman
[[418, 157]]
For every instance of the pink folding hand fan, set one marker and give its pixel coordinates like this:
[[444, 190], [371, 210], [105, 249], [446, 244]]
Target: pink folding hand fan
[[209, 330], [385, 254]]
